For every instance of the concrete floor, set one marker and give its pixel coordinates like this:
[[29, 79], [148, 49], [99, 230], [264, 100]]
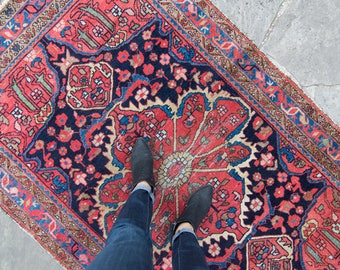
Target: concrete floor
[[301, 37]]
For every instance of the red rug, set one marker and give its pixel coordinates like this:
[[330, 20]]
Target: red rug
[[81, 80]]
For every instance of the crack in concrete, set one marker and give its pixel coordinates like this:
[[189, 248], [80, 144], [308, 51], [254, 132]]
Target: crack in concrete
[[281, 10]]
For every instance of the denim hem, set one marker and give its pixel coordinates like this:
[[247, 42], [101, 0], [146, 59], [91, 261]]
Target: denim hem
[[146, 188], [185, 230]]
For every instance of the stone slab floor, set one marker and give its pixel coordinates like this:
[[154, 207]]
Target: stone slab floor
[[301, 37]]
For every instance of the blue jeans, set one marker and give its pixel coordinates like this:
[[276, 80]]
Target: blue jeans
[[129, 243]]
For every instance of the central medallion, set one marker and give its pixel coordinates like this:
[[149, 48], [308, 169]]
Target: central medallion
[[175, 170]]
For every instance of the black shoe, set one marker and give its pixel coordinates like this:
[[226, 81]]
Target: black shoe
[[197, 207], [142, 163]]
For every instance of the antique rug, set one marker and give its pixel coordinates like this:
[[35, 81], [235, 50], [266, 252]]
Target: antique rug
[[81, 80]]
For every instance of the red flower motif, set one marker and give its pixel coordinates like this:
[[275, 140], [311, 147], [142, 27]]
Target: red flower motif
[[206, 77], [160, 73], [137, 60], [108, 57], [295, 198], [124, 75], [148, 69], [80, 120], [148, 46], [294, 221], [61, 104], [277, 222], [163, 43], [94, 152], [123, 56], [51, 146], [75, 145], [65, 134], [84, 205], [61, 119], [279, 192]]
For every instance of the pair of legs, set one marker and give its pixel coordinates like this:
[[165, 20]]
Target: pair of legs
[[129, 244]]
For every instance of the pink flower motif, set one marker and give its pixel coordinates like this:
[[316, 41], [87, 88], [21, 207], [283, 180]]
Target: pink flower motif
[[98, 139], [78, 159], [267, 160], [80, 178], [289, 186], [179, 73], [282, 177], [65, 163], [134, 46], [90, 169], [214, 250], [153, 57], [51, 131], [142, 94], [167, 264], [39, 144], [160, 73], [172, 84], [295, 198], [256, 204], [257, 176], [147, 35], [300, 210], [164, 59], [62, 151]]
